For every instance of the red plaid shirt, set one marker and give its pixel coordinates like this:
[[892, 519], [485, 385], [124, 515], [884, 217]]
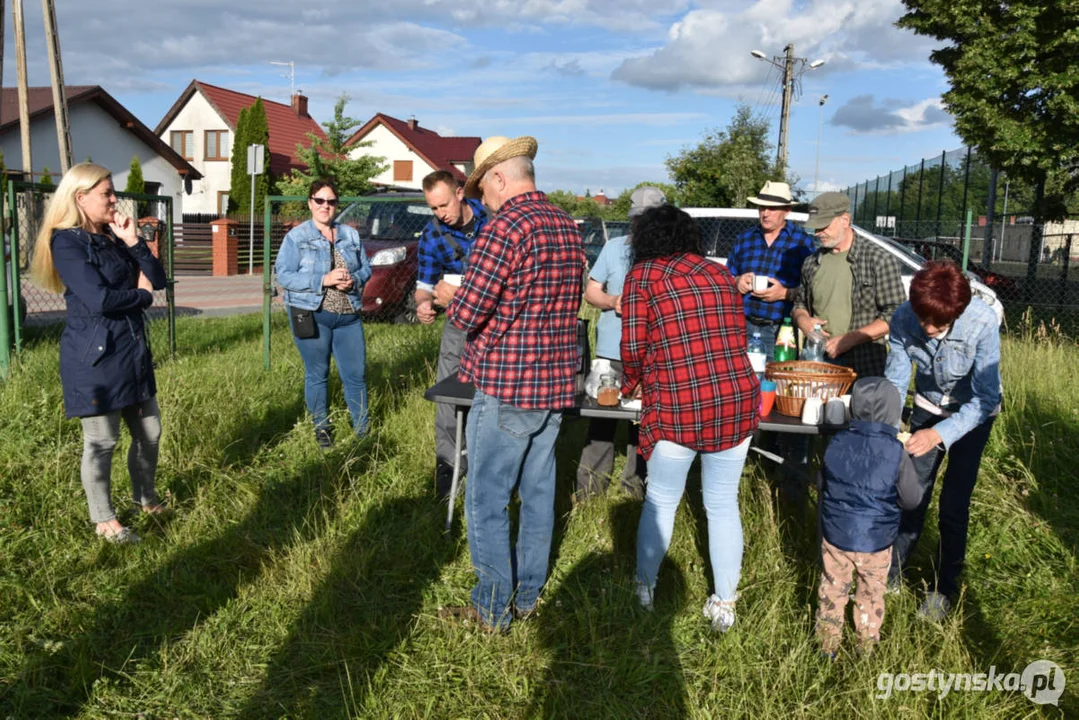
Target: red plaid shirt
[[518, 302], [684, 340]]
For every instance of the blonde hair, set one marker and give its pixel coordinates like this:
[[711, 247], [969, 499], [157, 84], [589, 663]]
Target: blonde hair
[[62, 213]]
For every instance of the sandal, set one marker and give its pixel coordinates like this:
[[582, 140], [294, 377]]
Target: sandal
[[123, 536], [154, 509]]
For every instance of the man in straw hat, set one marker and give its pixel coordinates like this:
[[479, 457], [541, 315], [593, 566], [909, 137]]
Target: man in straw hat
[[850, 287], [518, 304], [774, 250]]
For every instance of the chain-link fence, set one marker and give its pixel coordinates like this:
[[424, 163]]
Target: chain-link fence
[[30, 306], [926, 207], [390, 229]]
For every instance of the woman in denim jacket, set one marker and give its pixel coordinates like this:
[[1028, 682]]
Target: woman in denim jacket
[[954, 342], [322, 266], [92, 254]]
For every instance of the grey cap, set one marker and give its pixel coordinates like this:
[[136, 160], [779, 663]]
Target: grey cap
[[825, 208], [645, 198]]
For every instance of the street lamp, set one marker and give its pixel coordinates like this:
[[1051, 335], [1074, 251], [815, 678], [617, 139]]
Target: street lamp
[[820, 127], [787, 64]]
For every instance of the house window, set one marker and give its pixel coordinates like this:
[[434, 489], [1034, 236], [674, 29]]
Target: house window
[[216, 144], [222, 203], [183, 142], [402, 171]]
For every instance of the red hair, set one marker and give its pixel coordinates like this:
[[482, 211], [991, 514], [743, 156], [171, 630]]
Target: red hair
[[939, 292]]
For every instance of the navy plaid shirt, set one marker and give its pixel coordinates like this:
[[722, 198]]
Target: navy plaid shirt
[[436, 256], [782, 261]]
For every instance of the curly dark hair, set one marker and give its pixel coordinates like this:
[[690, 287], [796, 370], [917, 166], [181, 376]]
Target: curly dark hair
[[662, 231], [319, 184]]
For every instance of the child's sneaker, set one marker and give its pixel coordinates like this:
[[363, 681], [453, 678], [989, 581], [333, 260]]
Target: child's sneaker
[[720, 613]]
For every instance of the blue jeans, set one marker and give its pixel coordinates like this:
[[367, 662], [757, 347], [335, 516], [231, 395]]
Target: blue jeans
[[720, 475], [509, 448], [341, 336]]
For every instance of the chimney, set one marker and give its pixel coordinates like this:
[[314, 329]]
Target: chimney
[[413, 123], [299, 105]]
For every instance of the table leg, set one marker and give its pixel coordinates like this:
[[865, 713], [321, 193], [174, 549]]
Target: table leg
[[456, 468]]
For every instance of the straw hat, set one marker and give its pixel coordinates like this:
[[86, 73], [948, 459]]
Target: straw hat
[[494, 150], [773, 194]]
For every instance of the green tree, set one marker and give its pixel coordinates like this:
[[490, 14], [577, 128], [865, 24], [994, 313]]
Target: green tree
[[1014, 89], [328, 158], [46, 177], [727, 166], [135, 183], [252, 128]]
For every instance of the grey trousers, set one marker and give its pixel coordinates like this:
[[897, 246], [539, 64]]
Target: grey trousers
[[100, 434], [449, 361]]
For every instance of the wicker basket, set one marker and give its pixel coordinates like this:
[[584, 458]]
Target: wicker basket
[[798, 379]]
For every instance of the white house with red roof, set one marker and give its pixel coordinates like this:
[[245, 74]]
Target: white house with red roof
[[201, 125], [101, 129], [412, 151]]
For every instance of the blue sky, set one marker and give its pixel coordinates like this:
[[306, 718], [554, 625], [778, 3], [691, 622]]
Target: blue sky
[[610, 89]]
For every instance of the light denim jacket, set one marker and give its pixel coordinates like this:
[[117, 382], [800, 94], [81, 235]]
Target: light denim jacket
[[305, 257], [960, 373]]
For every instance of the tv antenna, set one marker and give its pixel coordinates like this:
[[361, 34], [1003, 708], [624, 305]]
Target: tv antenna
[[291, 75]]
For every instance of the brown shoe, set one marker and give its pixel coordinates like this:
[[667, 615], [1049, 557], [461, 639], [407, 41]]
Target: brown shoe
[[469, 615]]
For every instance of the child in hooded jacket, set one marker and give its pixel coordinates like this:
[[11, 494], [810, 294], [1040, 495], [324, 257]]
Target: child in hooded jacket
[[866, 478]]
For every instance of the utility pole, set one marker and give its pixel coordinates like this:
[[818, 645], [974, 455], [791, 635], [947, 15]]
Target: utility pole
[[820, 129], [24, 99], [785, 110], [59, 92], [792, 68]]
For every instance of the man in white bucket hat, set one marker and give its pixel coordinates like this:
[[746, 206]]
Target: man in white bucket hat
[[518, 304], [774, 249]]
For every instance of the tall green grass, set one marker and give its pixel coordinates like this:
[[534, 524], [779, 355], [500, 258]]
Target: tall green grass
[[295, 584]]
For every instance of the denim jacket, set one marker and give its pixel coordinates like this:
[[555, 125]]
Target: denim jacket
[[305, 257], [960, 373]]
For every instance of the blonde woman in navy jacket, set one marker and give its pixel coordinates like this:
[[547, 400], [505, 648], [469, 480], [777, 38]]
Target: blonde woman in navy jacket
[[322, 266], [92, 254]]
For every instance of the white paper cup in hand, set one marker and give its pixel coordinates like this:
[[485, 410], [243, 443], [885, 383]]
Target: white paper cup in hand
[[452, 279], [760, 283]]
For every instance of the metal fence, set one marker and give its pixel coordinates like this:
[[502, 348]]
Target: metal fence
[[954, 205], [28, 305]]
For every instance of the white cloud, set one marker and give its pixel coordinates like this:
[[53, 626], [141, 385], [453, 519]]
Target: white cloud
[[864, 115], [710, 47]]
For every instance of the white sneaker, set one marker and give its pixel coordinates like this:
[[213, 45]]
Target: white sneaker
[[720, 613], [644, 596]]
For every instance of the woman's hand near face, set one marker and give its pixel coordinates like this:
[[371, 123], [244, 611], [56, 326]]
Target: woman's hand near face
[[124, 228]]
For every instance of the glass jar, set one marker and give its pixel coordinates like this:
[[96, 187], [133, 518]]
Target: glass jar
[[607, 395]]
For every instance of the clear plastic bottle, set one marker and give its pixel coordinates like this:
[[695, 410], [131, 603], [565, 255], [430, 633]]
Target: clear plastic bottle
[[757, 358], [814, 345]]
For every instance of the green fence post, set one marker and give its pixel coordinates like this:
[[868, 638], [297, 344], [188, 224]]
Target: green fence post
[[966, 240], [5, 330], [16, 284], [170, 290], [267, 286]]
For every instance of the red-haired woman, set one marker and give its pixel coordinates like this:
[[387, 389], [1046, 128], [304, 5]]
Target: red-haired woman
[[953, 341]]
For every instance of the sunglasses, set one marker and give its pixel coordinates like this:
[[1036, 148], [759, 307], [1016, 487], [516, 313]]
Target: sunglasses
[[332, 202]]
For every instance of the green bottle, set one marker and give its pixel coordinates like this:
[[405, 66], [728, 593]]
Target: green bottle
[[785, 345]]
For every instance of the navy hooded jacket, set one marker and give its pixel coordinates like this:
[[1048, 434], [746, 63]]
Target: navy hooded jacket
[[105, 361], [867, 475]]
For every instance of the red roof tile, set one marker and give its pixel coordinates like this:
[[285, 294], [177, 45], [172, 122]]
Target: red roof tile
[[440, 152], [287, 129]]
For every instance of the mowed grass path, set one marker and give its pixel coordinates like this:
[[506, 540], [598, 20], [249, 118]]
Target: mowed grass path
[[295, 584]]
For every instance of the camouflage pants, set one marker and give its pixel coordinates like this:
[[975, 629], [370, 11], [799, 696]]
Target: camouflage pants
[[871, 570]]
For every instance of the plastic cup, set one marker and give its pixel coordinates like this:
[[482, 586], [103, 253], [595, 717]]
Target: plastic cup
[[768, 397]]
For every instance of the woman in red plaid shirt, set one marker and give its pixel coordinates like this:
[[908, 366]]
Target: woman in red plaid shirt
[[684, 343]]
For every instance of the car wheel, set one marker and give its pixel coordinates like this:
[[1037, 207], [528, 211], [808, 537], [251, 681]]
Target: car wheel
[[407, 314]]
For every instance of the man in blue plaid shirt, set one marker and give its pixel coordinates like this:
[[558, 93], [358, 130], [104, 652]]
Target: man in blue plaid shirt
[[775, 249], [443, 250]]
